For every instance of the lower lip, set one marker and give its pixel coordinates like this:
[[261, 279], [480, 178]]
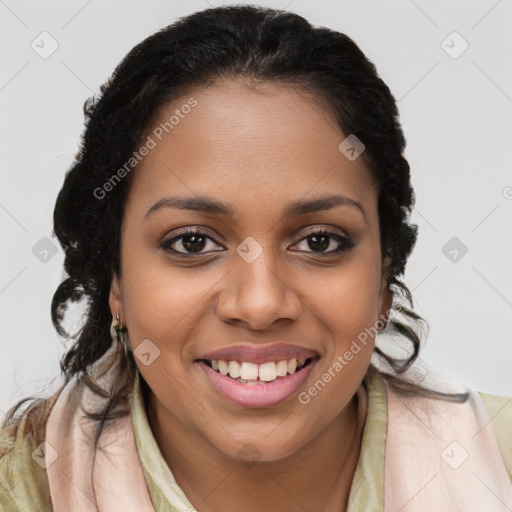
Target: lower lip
[[259, 395]]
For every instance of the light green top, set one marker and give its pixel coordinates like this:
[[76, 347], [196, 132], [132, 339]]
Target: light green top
[[367, 492], [24, 484]]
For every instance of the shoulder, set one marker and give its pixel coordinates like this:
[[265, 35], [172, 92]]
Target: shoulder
[[500, 414], [23, 479]]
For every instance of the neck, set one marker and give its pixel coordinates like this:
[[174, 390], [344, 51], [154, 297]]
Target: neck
[[321, 478]]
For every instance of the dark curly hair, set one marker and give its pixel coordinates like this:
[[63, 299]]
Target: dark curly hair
[[245, 41]]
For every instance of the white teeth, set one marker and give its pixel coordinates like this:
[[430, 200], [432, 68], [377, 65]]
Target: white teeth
[[282, 368], [234, 369], [268, 371], [251, 372], [292, 365], [223, 367]]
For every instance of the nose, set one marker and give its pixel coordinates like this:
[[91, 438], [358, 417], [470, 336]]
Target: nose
[[257, 296]]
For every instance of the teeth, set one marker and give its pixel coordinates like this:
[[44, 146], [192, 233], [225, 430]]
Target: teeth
[[223, 367], [268, 371], [282, 368], [234, 369], [252, 372], [248, 371]]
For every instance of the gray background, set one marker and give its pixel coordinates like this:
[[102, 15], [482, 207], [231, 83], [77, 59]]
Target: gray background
[[455, 109]]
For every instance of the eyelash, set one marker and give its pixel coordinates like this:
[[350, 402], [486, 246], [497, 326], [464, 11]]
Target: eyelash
[[345, 242]]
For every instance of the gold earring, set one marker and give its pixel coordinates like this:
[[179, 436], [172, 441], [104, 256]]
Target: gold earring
[[118, 333], [116, 328]]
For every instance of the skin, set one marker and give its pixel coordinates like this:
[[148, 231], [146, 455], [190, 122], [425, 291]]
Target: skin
[[257, 148]]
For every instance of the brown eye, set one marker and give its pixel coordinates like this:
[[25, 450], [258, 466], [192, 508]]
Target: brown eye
[[193, 243], [320, 241], [190, 242]]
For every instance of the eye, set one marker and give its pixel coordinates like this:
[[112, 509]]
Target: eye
[[322, 239], [193, 241], [190, 241]]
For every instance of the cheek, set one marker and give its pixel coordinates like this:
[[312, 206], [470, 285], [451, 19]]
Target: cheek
[[347, 300], [348, 310], [161, 302]]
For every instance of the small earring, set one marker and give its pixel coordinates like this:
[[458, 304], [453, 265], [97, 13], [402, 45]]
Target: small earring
[[119, 326], [118, 334], [116, 328]]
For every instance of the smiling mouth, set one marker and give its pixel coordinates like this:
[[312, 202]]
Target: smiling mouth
[[258, 374]]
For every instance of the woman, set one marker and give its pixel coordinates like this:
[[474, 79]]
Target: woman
[[237, 221]]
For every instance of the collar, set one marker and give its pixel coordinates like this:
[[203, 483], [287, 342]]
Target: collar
[[367, 491]]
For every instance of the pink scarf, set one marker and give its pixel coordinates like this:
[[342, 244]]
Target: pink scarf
[[443, 456], [119, 484], [450, 464]]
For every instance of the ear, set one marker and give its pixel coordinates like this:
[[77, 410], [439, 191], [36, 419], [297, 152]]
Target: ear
[[385, 294], [386, 300], [115, 300]]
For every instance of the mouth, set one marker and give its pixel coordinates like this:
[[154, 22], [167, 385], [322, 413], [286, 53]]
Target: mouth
[[257, 385], [258, 374]]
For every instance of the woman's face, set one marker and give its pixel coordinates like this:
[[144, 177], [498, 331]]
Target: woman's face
[[255, 279]]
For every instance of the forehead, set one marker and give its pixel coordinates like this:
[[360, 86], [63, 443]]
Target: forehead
[[245, 140]]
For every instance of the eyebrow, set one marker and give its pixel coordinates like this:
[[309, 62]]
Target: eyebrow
[[301, 207]]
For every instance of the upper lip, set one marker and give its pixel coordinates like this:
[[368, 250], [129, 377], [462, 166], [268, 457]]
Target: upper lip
[[260, 353]]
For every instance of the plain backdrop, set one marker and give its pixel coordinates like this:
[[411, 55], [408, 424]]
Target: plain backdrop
[[446, 63]]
